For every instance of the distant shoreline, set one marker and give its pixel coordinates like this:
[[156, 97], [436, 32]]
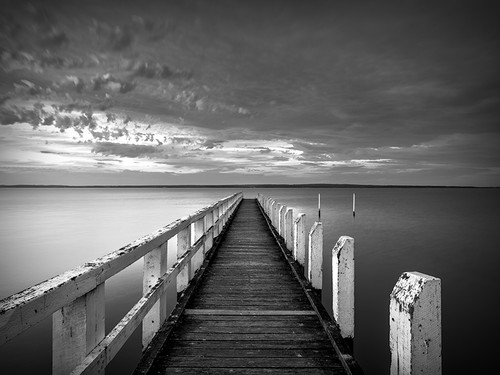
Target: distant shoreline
[[249, 186]]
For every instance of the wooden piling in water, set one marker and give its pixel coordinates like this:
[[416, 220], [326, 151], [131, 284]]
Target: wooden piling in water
[[315, 264], [343, 285], [281, 224], [289, 229], [415, 325], [299, 239]]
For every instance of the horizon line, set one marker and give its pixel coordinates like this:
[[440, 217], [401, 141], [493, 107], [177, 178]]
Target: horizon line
[[261, 185]]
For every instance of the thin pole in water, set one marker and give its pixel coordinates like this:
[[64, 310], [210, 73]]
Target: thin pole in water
[[319, 207], [353, 204]]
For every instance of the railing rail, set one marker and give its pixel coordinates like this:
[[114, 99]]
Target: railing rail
[[75, 298]]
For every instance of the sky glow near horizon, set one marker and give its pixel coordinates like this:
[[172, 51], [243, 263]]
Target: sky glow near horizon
[[339, 92], [115, 146]]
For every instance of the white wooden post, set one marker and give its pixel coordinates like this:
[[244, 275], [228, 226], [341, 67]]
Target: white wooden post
[[281, 221], [215, 216], [197, 260], [171, 294], [299, 239], [183, 244], [155, 266], [209, 242], [76, 329], [221, 218], [289, 229], [277, 215], [271, 213], [343, 285], [315, 264], [415, 325], [224, 214]]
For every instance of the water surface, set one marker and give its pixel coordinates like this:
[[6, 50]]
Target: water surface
[[448, 233]]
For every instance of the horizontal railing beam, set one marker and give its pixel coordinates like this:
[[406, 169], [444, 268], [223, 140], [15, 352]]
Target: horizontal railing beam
[[23, 310]]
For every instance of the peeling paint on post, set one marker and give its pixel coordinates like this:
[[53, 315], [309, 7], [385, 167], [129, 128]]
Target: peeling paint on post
[[299, 239], [289, 229], [183, 244], [76, 329], [215, 216], [155, 265], [209, 242], [415, 325], [343, 285], [281, 220], [271, 211], [277, 207], [197, 261], [172, 288], [315, 264]]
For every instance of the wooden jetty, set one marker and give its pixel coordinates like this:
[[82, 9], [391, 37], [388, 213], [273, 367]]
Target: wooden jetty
[[238, 293], [250, 314]]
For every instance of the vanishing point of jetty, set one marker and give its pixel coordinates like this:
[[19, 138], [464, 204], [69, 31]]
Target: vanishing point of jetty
[[239, 293]]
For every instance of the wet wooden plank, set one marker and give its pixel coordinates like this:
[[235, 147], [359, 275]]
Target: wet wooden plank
[[248, 344], [255, 362], [248, 371]]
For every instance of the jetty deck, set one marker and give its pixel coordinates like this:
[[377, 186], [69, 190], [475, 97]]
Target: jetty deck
[[248, 312]]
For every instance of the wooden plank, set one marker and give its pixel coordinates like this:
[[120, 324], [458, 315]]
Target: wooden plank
[[255, 362], [248, 371], [233, 352], [249, 344], [246, 319], [250, 329], [207, 324], [289, 336], [247, 312]]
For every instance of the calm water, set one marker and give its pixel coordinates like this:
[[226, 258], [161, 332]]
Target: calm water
[[448, 233]]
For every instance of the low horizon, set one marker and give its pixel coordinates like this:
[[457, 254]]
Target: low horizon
[[222, 92], [264, 185]]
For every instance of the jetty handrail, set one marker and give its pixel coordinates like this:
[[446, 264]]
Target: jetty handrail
[[82, 289]]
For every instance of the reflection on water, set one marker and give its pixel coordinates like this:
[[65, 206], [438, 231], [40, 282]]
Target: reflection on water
[[448, 233]]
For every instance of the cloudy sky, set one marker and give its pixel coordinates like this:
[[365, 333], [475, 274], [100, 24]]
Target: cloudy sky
[[232, 91]]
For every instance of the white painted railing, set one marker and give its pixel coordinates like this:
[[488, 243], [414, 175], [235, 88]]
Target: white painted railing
[[75, 299], [415, 304]]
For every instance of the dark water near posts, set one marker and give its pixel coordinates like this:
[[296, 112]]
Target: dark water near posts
[[448, 233]]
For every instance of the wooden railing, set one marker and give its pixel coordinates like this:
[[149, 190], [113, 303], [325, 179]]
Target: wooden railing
[[76, 300]]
